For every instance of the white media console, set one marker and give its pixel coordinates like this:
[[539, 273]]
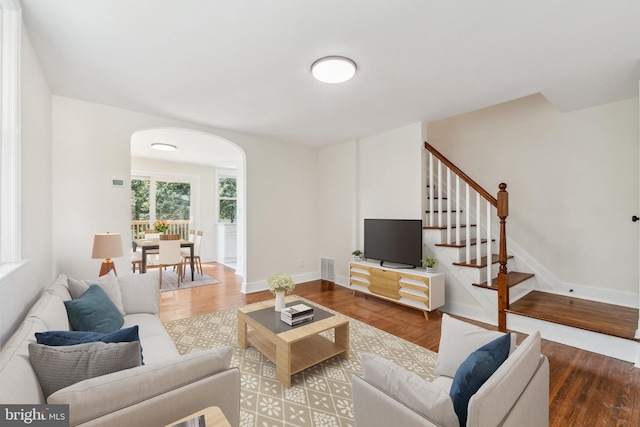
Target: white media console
[[411, 287]]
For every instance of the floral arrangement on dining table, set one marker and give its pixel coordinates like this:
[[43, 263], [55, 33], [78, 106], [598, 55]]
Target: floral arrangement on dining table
[[281, 282], [160, 226]]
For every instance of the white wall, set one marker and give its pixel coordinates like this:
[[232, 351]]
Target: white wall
[[379, 176], [338, 206], [390, 174], [572, 181], [19, 291], [91, 143]]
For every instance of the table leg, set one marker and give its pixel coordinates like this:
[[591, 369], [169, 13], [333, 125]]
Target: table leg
[[192, 262], [283, 363], [143, 265], [242, 332], [342, 339]]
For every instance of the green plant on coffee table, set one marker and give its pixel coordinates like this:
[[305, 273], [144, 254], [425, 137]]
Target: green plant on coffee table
[[429, 262], [281, 282]]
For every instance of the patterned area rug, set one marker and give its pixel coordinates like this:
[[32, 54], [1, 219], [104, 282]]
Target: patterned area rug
[[320, 395], [170, 280]]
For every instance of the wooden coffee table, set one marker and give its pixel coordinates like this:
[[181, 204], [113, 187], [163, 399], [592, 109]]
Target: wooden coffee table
[[292, 348]]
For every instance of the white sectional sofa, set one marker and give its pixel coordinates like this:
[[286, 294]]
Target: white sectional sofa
[[515, 395], [166, 388]]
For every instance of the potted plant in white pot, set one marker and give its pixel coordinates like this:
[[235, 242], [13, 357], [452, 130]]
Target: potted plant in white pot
[[430, 264], [357, 255], [279, 284]]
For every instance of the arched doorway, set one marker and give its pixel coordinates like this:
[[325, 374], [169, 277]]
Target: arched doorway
[[203, 162]]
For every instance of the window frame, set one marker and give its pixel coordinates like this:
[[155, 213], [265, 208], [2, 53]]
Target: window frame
[[154, 178], [10, 141], [219, 198]]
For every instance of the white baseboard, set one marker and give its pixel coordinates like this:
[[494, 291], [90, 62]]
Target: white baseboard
[[262, 285]]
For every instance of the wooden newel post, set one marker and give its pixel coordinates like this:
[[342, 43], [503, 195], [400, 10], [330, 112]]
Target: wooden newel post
[[503, 288]]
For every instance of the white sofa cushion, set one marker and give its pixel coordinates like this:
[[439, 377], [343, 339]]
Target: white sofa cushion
[[458, 340], [18, 381], [156, 343], [415, 392], [50, 310]]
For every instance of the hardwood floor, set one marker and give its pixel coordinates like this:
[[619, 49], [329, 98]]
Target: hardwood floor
[[585, 389]]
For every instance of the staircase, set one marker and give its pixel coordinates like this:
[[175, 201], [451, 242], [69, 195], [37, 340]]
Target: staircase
[[465, 229]]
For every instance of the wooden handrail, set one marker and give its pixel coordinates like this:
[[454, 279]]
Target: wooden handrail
[[484, 193], [501, 203]]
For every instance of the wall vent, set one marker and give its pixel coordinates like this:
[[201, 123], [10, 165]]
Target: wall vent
[[327, 270]]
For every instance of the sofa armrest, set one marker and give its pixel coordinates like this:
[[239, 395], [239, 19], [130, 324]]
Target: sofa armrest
[[372, 408], [152, 392], [140, 293]]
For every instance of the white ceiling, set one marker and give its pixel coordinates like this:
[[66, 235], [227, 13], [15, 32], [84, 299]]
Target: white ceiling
[[244, 65], [191, 147]]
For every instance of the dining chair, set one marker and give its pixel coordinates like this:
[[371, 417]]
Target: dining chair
[[169, 255], [186, 254], [152, 254], [136, 259]]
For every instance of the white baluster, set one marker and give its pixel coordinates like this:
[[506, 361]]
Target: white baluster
[[468, 229], [448, 216], [431, 185], [457, 210], [439, 193], [489, 248], [478, 231]]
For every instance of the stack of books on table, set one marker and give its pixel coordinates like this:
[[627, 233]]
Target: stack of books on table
[[296, 314]]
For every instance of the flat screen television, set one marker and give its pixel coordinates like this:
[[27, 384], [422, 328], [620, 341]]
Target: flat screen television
[[396, 242]]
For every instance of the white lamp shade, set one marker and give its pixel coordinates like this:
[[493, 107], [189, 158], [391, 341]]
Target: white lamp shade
[[108, 245]]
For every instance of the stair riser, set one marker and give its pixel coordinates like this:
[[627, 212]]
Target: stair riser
[[445, 220]]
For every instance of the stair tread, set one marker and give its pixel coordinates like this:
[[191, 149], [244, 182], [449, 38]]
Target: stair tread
[[594, 316], [462, 244], [483, 261], [513, 278]]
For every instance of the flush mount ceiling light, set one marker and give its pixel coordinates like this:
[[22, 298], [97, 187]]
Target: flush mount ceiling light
[[163, 147], [333, 69]]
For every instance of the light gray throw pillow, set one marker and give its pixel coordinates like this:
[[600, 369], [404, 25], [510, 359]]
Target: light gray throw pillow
[[108, 283], [415, 392], [458, 340], [61, 366]]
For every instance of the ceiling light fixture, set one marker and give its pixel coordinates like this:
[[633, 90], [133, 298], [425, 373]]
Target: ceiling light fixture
[[163, 147], [333, 69]]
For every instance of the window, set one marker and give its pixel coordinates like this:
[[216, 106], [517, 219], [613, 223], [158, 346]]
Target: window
[[227, 202], [164, 198], [10, 226], [140, 199], [173, 200]]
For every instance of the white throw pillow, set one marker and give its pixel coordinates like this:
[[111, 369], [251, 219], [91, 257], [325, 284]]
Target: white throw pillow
[[108, 283], [415, 392], [458, 340], [140, 292]]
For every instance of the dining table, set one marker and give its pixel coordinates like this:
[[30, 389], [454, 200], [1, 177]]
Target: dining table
[[149, 244]]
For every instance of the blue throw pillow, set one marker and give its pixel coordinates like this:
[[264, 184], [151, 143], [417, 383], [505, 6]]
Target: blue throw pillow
[[58, 338], [94, 311], [475, 371]]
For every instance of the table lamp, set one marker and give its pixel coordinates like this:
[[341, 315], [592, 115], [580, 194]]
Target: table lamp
[[107, 245]]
